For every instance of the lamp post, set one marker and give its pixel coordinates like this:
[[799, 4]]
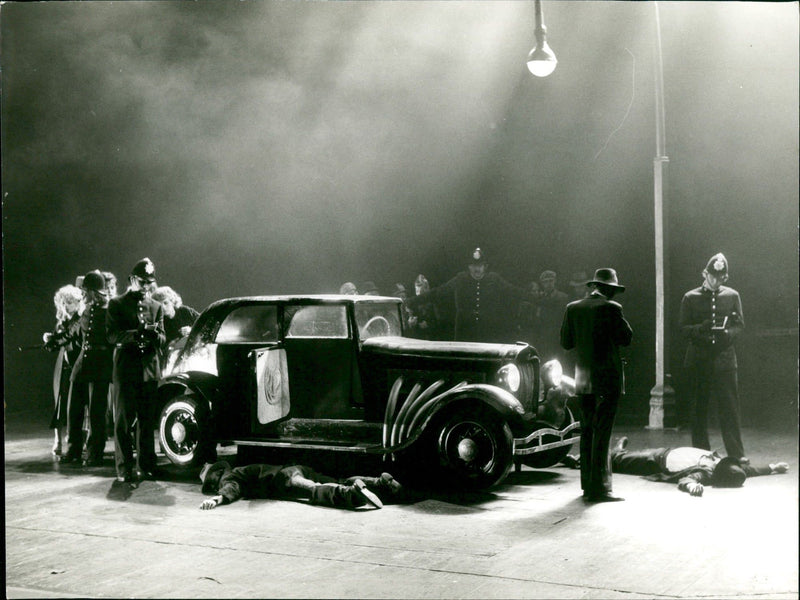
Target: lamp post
[[541, 60], [662, 396]]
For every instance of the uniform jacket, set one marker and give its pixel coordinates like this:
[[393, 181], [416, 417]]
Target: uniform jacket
[[700, 308], [595, 328], [95, 362], [136, 356], [482, 306]]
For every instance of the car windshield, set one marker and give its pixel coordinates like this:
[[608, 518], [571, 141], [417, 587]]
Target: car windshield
[[378, 319]]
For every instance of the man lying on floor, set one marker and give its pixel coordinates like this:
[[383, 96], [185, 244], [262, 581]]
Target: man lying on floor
[[691, 468], [291, 483]]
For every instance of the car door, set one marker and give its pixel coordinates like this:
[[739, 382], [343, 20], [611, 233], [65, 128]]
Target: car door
[[320, 353]]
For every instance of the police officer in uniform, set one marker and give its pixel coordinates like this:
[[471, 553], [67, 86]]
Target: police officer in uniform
[[91, 375], [711, 319], [135, 325], [482, 300]]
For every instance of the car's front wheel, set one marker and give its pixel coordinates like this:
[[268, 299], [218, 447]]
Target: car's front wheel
[[475, 447], [182, 431]]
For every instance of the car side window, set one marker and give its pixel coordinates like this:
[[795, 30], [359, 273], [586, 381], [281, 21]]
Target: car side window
[[256, 323], [316, 321]]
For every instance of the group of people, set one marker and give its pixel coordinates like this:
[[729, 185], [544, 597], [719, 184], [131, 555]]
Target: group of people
[[112, 346], [479, 305], [110, 350], [710, 318]]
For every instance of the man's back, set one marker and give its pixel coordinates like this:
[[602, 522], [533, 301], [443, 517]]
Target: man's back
[[595, 328]]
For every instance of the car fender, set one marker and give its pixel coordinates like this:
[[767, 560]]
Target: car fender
[[195, 382], [409, 424]]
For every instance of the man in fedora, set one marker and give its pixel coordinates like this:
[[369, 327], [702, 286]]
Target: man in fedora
[[293, 482], [690, 468], [595, 328], [135, 325], [711, 319]]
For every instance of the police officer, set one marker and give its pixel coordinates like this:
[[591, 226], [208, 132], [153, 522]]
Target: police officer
[[135, 325], [91, 374], [711, 319], [482, 299]]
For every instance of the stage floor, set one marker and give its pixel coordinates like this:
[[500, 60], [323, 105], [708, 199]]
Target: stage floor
[[72, 532]]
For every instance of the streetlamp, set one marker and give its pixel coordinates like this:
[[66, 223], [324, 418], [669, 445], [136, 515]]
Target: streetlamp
[[541, 60], [662, 396]]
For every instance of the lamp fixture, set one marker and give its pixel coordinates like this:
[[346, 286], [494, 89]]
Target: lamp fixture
[[541, 60]]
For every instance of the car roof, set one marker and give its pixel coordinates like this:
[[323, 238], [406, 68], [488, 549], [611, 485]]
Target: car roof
[[303, 298]]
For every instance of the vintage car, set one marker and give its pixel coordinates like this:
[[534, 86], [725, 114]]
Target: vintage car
[[330, 373]]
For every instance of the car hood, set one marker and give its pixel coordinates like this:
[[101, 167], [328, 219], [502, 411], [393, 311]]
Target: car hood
[[402, 346]]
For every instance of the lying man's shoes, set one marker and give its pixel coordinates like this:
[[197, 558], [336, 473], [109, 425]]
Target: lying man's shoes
[[571, 461], [621, 444], [359, 488]]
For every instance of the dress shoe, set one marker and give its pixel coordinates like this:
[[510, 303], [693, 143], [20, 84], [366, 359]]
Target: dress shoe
[[69, 459], [362, 495], [128, 478], [93, 462], [603, 498], [621, 444]]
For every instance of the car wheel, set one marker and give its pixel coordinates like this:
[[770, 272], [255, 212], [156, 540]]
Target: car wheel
[[475, 447], [180, 431], [548, 458]]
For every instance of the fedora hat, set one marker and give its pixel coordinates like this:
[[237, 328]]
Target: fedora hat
[[728, 473], [607, 277]]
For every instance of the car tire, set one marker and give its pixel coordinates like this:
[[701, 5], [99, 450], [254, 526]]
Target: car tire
[[474, 446], [183, 432], [549, 458]]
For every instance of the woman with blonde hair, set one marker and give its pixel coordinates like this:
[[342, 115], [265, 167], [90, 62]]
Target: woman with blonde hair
[[65, 339]]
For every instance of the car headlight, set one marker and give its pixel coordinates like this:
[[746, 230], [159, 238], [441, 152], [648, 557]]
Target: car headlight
[[552, 372], [508, 376]]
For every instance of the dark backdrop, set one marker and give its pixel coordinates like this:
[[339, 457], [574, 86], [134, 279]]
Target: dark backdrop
[[264, 147]]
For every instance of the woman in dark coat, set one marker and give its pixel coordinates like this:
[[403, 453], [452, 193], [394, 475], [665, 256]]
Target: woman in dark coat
[[65, 339]]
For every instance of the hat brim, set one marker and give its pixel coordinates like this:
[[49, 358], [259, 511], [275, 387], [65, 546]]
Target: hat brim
[[621, 288]]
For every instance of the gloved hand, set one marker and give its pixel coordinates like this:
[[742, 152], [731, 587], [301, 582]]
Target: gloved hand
[[780, 467]]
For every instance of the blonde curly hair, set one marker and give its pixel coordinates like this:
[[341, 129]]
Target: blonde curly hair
[[68, 300]]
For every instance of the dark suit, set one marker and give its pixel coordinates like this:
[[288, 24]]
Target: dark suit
[[90, 378], [137, 370], [595, 328]]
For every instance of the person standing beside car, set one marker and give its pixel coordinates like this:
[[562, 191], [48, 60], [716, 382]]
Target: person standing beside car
[[135, 325], [596, 328], [482, 299], [711, 319], [178, 318], [91, 375]]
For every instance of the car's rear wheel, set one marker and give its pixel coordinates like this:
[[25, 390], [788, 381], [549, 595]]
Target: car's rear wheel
[[474, 447], [182, 431]]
